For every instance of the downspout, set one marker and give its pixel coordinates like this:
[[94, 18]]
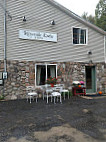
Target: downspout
[[5, 36], [105, 47]]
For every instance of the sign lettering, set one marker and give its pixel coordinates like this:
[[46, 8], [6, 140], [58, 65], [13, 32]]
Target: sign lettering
[[36, 35]]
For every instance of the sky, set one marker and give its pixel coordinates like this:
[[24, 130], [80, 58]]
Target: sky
[[80, 6]]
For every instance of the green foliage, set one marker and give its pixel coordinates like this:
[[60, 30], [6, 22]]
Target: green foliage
[[1, 97], [100, 15], [100, 8], [89, 18], [70, 93], [51, 80]]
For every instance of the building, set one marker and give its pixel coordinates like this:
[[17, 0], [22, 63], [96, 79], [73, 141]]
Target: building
[[42, 39]]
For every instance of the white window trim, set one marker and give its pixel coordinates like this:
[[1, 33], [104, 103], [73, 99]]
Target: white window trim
[[86, 35], [46, 71]]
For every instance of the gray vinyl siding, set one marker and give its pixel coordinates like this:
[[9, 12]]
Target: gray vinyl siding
[[39, 14], [1, 31]]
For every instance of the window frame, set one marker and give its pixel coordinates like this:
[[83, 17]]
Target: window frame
[[46, 71], [79, 35]]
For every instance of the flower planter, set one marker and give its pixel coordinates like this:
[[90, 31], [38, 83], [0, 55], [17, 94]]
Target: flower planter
[[52, 85], [51, 81]]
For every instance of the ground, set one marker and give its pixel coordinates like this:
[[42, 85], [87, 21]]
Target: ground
[[79, 119]]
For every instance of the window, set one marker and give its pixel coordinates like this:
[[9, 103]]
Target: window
[[79, 36], [45, 71]]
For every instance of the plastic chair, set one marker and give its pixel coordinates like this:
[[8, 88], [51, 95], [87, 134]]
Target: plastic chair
[[64, 90], [56, 94], [31, 93], [47, 90]]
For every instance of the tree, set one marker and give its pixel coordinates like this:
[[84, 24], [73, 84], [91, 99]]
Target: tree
[[100, 14], [85, 15], [89, 18]]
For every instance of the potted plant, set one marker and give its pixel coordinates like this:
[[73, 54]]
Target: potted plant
[[76, 83], [52, 81], [82, 83]]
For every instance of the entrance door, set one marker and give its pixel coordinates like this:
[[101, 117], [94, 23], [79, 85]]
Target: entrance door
[[90, 79]]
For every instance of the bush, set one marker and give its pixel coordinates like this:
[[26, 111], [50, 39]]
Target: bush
[[1, 97]]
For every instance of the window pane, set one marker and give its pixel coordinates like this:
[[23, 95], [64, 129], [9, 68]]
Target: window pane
[[83, 37], [41, 75], [51, 71], [75, 35]]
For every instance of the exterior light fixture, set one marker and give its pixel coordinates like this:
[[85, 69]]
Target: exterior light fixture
[[90, 61], [53, 22], [89, 52], [24, 19]]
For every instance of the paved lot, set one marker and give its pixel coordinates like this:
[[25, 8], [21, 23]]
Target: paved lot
[[76, 120]]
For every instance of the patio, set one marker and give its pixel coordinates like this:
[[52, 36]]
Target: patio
[[75, 120]]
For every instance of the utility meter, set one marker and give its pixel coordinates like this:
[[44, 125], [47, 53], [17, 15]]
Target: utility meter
[[4, 75]]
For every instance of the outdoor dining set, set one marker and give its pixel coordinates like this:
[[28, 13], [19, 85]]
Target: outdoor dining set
[[55, 93]]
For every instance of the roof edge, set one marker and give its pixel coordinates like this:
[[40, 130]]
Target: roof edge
[[77, 17]]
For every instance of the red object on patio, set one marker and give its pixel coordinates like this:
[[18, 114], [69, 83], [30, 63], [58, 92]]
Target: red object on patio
[[79, 91], [52, 85]]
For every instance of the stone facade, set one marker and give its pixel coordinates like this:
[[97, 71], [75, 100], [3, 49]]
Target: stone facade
[[22, 74], [101, 77]]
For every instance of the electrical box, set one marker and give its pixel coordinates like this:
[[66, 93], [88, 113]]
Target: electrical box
[[4, 75], [1, 78]]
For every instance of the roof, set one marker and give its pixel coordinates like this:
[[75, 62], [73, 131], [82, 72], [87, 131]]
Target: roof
[[75, 16]]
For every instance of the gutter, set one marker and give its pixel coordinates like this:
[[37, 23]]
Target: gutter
[[5, 37]]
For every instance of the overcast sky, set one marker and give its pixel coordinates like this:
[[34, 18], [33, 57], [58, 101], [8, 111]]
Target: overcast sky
[[80, 6]]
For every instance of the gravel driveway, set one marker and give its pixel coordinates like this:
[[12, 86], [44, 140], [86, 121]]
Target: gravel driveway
[[76, 120]]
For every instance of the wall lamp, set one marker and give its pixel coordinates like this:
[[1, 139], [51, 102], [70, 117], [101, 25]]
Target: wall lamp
[[89, 52], [24, 19], [90, 61], [53, 22]]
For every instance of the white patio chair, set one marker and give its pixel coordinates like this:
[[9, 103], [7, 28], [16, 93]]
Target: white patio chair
[[44, 88], [56, 95], [63, 90], [57, 88], [31, 93], [48, 92]]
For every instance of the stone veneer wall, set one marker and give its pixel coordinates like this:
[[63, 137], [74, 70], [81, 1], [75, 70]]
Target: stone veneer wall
[[101, 77], [22, 74]]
